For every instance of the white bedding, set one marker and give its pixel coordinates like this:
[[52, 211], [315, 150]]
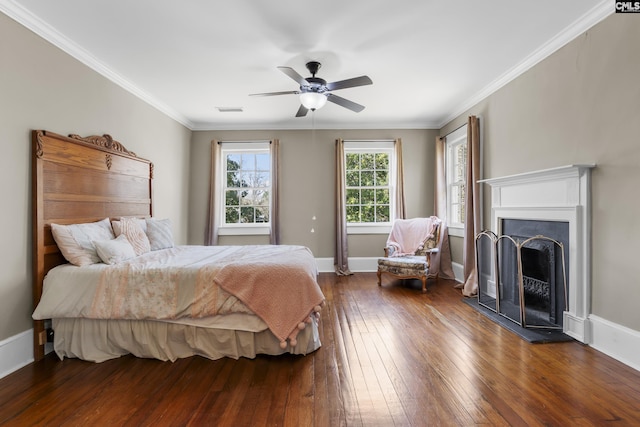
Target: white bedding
[[181, 285], [68, 291], [100, 340], [170, 284]]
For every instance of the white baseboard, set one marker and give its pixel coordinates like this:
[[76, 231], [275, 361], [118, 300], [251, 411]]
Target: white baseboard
[[16, 352], [356, 265], [363, 265], [617, 341], [576, 327], [325, 265], [458, 272], [370, 265]]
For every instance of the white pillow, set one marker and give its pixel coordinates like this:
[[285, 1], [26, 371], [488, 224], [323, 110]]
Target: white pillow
[[75, 241], [115, 250], [159, 233], [132, 229]]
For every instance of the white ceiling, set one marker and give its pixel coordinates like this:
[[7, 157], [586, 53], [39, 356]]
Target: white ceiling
[[429, 60]]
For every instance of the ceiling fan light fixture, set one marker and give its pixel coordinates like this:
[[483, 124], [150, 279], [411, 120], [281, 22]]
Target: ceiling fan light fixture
[[315, 92], [313, 100]]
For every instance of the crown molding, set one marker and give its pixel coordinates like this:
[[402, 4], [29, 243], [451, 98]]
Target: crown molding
[[203, 126], [582, 24], [27, 19], [24, 17]]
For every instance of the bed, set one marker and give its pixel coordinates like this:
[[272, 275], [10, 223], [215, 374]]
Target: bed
[[160, 301]]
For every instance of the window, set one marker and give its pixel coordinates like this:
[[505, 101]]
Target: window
[[370, 184], [246, 187], [456, 171]]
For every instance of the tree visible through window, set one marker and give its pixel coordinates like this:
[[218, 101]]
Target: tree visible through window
[[247, 187], [368, 189], [456, 171]]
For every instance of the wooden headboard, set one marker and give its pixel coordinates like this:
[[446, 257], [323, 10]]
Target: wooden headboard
[[77, 180]]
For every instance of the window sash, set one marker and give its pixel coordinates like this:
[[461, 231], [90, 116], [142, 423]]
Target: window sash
[[455, 167], [246, 187], [386, 193]]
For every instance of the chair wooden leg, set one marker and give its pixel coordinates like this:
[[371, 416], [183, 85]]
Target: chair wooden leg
[[379, 278], [424, 284]]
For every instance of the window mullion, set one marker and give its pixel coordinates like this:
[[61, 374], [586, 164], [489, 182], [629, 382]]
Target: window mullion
[[455, 171], [364, 168], [241, 163]]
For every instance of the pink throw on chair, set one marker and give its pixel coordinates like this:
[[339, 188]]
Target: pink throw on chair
[[407, 235]]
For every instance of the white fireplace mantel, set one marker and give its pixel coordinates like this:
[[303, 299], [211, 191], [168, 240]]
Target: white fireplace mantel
[[558, 194]]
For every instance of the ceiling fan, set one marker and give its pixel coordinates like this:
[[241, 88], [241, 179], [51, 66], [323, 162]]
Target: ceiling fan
[[315, 92]]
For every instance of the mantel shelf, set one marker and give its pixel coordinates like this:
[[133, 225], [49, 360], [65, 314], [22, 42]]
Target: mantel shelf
[[540, 175]]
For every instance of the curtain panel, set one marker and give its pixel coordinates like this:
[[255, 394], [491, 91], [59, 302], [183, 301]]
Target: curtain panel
[[341, 258], [472, 221], [400, 212], [274, 234], [443, 258], [440, 181], [211, 229]]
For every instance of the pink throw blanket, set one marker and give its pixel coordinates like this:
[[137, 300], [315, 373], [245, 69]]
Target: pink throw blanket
[[275, 291], [407, 235]]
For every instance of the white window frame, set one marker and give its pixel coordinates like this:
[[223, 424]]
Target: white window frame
[[453, 140], [375, 146], [250, 147]]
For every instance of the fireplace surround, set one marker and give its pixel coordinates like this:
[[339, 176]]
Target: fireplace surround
[[563, 195]]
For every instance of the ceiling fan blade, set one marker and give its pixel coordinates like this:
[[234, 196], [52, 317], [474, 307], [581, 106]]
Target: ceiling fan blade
[[345, 103], [294, 75], [302, 111], [288, 92], [343, 84]]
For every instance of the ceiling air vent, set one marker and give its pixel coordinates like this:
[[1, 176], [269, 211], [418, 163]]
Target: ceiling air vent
[[229, 109]]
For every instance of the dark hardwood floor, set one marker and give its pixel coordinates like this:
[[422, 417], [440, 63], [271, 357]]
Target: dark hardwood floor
[[391, 356]]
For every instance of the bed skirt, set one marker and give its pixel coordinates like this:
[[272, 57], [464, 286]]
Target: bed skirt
[[100, 340]]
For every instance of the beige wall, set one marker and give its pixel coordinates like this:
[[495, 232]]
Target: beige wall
[[581, 105], [307, 184], [43, 88]]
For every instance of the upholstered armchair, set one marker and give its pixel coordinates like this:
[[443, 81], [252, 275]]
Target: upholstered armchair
[[409, 248]]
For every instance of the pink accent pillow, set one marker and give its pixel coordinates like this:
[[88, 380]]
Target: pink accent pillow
[[136, 236]]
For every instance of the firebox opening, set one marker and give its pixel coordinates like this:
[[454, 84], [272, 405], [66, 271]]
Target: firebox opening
[[543, 290]]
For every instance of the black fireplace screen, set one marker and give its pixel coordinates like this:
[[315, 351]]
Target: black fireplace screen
[[522, 278]]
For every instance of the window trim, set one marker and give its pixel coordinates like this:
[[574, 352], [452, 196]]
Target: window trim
[[455, 138], [251, 229], [369, 146]]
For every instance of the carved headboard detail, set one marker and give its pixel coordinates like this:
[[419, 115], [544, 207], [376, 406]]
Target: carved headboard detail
[[105, 141], [76, 180]]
